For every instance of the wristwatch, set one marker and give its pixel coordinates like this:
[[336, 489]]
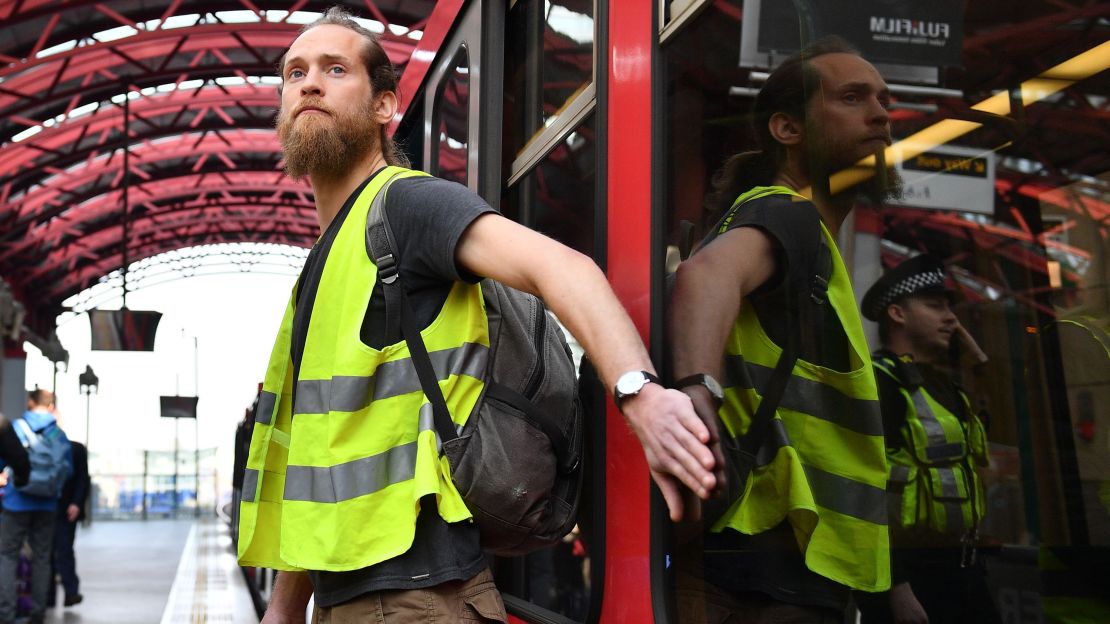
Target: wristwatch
[[702, 379], [630, 384]]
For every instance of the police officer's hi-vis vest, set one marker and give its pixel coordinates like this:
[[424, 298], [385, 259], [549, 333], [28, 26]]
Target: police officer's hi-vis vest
[[334, 482], [933, 484], [823, 465]]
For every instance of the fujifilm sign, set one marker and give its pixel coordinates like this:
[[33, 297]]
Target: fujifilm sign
[[912, 40], [904, 30]]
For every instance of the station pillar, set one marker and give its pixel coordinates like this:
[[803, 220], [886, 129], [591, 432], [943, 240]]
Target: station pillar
[[13, 380], [866, 261]]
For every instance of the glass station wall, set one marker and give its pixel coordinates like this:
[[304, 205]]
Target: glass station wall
[[1005, 170]]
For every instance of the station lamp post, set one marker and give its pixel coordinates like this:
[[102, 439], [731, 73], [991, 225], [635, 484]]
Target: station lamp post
[[89, 382]]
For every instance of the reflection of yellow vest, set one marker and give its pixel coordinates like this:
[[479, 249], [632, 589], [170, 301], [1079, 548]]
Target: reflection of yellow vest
[[823, 466], [334, 483], [932, 483]]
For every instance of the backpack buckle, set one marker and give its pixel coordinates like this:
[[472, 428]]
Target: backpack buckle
[[819, 290], [387, 269]]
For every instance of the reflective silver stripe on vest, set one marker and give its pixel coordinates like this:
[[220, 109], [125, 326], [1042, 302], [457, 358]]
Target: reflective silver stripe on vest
[[352, 479], [359, 477], [948, 486], [350, 394], [264, 413], [848, 497], [428, 421], [950, 489], [954, 450], [250, 485], [934, 431], [809, 397], [899, 473]]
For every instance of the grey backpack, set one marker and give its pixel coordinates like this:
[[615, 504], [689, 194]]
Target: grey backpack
[[518, 460]]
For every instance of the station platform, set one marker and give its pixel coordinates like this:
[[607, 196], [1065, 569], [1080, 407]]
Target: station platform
[[167, 571]]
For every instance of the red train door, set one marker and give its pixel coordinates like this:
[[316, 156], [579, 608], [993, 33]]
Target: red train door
[[544, 109]]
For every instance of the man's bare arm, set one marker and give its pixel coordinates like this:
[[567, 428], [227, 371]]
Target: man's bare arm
[[707, 293], [673, 437], [708, 290], [289, 600]]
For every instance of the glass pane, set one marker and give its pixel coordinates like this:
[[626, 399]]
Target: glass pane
[[1005, 183], [557, 198], [549, 54], [452, 111]]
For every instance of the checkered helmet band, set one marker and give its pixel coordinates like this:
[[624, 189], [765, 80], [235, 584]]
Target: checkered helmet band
[[926, 280]]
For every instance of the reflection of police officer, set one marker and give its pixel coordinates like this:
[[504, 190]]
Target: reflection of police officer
[[934, 441]]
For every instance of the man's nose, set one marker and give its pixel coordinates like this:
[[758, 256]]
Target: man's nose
[[312, 84], [879, 113]]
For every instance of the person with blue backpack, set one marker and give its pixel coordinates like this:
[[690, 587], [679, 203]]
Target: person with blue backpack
[[29, 508]]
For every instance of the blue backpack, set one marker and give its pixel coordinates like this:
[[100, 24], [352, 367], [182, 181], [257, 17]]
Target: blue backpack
[[48, 451]]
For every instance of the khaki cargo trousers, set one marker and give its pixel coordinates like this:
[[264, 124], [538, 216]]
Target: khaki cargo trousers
[[472, 600]]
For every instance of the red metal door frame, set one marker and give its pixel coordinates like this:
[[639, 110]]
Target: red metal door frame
[[626, 592], [627, 586]]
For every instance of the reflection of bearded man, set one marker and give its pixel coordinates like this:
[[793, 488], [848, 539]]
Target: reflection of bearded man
[[879, 184], [825, 158], [325, 145]]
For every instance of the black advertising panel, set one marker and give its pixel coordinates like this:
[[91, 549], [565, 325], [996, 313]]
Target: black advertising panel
[[179, 406], [123, 330], [903, 32]]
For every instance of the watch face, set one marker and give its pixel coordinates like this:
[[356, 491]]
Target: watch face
[[630, 383], [714, 387]]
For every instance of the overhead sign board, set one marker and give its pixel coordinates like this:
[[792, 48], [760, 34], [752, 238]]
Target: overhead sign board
[[896, 34], [123, 330], [948, 178], [178, 406]]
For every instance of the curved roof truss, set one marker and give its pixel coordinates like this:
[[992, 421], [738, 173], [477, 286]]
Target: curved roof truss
[[197, 84]]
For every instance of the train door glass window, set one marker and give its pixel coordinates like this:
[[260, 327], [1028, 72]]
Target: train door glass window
[[558, 198], [452, 120], [998, 129], [549, 71]]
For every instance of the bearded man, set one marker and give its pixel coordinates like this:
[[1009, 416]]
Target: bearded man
[[765, 305], [404, 550]]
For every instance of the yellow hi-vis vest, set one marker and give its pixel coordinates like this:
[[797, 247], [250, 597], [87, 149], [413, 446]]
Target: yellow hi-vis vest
[[823, 466], [932, 483], [334, 482]]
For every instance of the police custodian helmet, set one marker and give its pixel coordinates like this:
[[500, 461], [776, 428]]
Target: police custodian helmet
[[919, 275]]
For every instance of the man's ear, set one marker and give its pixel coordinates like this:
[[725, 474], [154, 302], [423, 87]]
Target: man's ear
[[896, 313], [385, 107], [785, 129]]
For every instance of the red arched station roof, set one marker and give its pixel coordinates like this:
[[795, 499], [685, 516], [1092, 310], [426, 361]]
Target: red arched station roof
[[203, 158]]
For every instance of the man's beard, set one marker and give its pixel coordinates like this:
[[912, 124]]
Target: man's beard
[[884, 183], [326, 147], [880, 182]]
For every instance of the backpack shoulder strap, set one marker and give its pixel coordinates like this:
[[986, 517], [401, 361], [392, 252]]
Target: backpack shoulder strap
[[820, 273], [381, 246], [772, 394], [29, 436]]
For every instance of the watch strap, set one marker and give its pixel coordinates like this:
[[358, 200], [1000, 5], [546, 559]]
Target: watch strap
[[702, 379], [618, 396]]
